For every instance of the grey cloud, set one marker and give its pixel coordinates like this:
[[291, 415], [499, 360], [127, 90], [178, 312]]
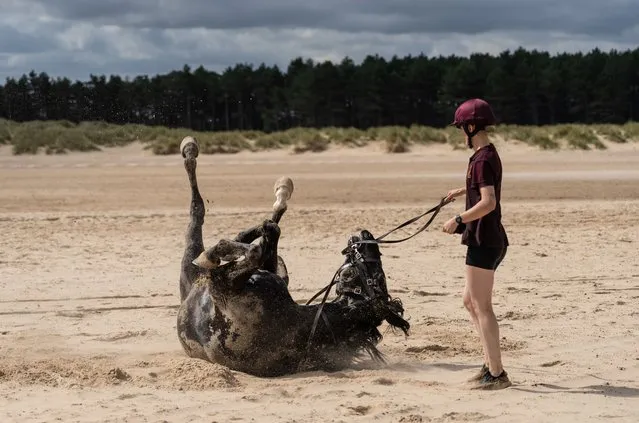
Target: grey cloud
[[107, 10], [102, 53], [380, 16], [67, 38], [13, 41], [115, 52], [214, 14]]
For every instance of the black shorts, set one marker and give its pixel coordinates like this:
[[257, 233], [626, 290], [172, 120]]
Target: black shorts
[[485, 257]]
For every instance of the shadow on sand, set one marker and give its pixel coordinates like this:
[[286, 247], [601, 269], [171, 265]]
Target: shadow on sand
[[417, 366], [404, 366], [606, 390]]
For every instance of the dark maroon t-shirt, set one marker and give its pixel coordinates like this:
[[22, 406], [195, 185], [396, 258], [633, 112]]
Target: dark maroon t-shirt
[[484, 169]]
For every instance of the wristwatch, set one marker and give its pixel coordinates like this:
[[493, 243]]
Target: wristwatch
[[458, 219]]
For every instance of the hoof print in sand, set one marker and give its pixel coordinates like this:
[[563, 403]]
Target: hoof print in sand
[[118, 374], [516, 315], [426, 348], [430, 294], [123, 335], [414, 418], [360, 410], [462, 417]]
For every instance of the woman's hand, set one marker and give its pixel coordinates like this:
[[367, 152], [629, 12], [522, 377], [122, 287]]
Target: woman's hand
[[452, 194], [450, 226]]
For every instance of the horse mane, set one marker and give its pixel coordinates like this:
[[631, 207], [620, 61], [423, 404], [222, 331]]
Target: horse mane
[[395, 316]]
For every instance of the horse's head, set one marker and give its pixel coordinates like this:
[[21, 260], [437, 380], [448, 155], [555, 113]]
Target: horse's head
[[369, 252], [362, 279], [362, 276]]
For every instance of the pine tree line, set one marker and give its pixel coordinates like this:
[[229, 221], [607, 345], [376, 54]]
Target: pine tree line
[[524, 87]]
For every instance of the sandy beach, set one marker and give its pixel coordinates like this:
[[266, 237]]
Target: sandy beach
[[89, 266]]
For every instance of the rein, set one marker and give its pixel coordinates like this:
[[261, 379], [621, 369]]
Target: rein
[[326, 290], [380, 239]]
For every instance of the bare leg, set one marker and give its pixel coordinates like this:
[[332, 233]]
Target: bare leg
[[480, 286], [194, 243], [473, 315]]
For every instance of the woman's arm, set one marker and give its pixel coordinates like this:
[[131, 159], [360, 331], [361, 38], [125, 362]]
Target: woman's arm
[[455, 193], [486, 204]]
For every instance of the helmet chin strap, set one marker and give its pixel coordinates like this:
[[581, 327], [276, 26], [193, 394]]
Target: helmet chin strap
[[470, 134]]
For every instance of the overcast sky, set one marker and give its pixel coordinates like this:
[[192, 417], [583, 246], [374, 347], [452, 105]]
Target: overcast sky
[[75, 38]]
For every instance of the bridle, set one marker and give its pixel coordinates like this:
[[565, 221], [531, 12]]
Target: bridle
[[357, 259]]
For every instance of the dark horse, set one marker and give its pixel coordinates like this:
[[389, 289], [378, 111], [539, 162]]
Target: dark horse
[[240, 313]]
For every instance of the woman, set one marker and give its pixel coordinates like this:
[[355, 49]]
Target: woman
[[483, 234]]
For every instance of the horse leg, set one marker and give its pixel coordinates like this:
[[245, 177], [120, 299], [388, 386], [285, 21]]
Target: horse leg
[[256, 256], [224, 250], [269, 241], [283, 190], [194, 243], [234, 273], [231, 250], [272, 261], [261, 256], [249, 235]]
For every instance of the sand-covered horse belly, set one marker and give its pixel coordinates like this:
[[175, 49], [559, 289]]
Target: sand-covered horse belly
[[237, 323], [246, 335]]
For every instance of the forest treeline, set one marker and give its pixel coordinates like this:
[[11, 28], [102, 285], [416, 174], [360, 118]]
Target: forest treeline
[[524, 87]]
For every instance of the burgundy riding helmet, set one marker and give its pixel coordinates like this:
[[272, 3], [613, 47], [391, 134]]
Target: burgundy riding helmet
[[474, 112]]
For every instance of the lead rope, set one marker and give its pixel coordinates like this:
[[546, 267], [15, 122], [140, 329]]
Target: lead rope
[[380, 239]]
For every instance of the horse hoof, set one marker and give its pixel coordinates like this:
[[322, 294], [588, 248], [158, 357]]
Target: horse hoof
[[283, 190], [203, 261], [189, 145]]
